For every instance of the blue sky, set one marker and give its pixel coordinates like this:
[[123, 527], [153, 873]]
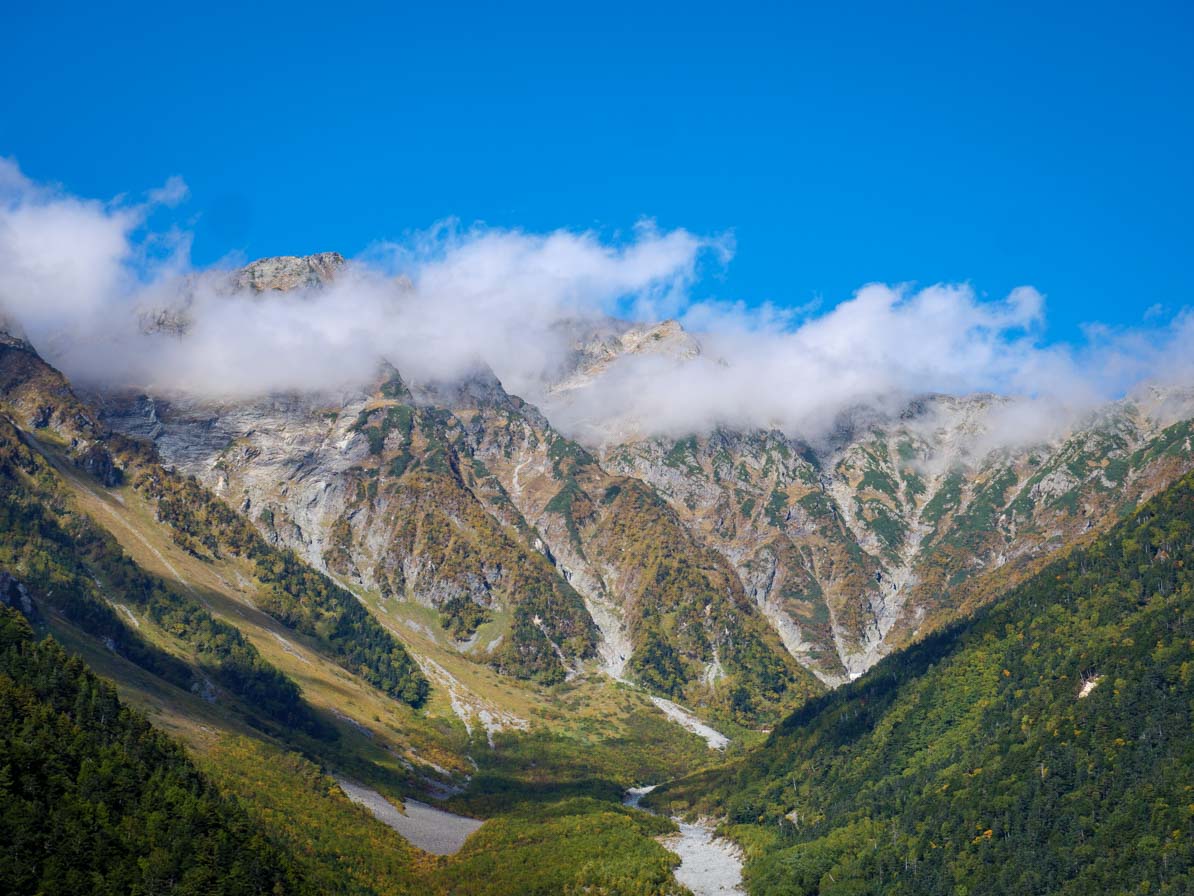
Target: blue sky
[[1042, 144]]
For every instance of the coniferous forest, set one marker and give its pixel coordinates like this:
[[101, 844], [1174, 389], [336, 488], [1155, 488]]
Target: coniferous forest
[[94, 800]]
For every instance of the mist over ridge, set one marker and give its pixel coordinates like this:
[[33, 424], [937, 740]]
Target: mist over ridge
[[565, 319]]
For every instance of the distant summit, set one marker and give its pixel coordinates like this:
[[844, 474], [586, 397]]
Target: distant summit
[[285, 272]]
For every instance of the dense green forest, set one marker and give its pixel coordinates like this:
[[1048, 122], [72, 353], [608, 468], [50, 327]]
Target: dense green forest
[[1045, 746], [93, 800]]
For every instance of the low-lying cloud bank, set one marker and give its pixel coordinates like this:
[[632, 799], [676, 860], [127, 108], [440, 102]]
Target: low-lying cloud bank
[[81, 277]]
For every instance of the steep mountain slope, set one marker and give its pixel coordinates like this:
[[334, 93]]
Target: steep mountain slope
[[672, 612], [857, 541], [299, 598], [463, 499], [181, 532], [252, 658], [1042, 747], [527, 547], [758, 501]]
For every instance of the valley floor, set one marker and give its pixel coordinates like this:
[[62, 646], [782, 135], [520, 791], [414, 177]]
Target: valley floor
[[430, 829], [709, 865]]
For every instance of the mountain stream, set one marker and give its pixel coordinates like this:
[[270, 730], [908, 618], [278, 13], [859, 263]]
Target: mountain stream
[[709, 865]]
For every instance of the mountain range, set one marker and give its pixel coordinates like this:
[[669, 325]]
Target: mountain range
[[516, 608]]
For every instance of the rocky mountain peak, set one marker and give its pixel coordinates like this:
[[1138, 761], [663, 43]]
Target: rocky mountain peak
[[666, 338], [603, 348], [12, 337], [287, 272], [475, 388]]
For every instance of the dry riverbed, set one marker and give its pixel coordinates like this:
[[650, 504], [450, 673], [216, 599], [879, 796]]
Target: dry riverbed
[[709, 865], [430, 829]]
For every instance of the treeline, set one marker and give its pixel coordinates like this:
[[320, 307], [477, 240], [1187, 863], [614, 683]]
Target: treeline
[[93, 800], [68, 561], [1045, 746], [293, 593]]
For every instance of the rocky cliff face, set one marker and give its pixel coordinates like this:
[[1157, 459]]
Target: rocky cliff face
[[463, 499], [288, 272], [721, 568], [895, 523], [41, 399]]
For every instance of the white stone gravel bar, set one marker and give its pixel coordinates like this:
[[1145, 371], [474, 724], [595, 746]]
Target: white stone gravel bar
[[430, 829]]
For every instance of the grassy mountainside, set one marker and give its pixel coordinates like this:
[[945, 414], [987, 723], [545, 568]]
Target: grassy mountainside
[[299, 597], [293, 593], [1042, 747], [74, 566]]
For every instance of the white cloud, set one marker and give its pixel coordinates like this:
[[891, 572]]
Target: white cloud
[[77, 274], [66, 263], [884, 344], [171, 193]]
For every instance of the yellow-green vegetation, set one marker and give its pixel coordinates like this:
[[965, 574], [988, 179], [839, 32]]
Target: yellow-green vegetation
[[586, 735], [292, 592], [1043, 746], [595, 741], [576, 847], [39, 397], [374, 732], [70, 563], [337, 845]]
